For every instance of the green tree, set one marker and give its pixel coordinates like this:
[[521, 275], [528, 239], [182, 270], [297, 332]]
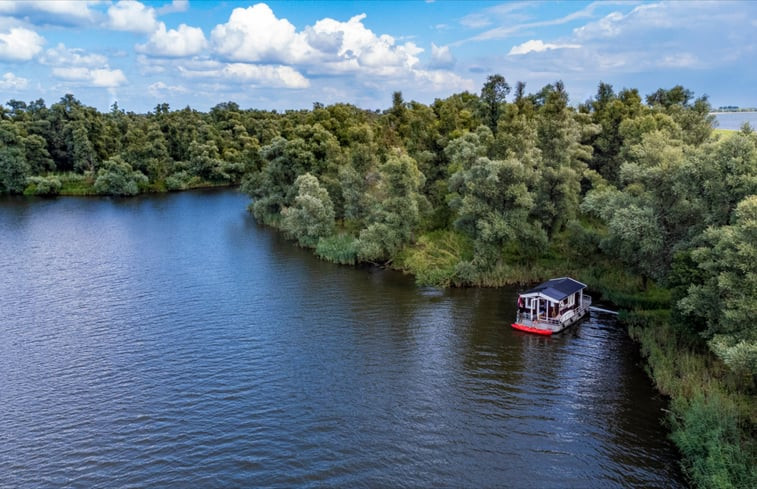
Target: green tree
[[561, 138], [493, 95], [37, 155], [116, 177], [609, 110], [727, 297], [312, 215], [14, 170], [398, 211], [492, 201]]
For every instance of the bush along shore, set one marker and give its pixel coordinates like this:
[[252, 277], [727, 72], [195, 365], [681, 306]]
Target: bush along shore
[[634, 195]]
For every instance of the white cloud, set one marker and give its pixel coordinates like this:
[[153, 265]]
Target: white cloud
[[160, 89], [184, 41], [680, 60], [20, 44], [512, 23], [699, 17], [359, 49], [441, 57], [175, 6], [99, 77], [538, 46], [60, 55], [439, 80], [59, 12], [255, 34], [132, 16], [11, 82], [253, 74], [88, 69]]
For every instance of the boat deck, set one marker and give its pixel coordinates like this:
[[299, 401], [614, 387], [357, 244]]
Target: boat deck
[[540, 324]]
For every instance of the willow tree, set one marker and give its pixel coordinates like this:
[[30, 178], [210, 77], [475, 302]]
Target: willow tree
[[397, 212], [727, 297], [491, 200], [14, 168], [312, 215]]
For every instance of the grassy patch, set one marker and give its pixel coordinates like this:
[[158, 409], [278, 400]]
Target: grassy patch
[[340, 248]]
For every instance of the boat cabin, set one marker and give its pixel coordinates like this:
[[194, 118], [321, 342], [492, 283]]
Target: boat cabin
[[552, 306]]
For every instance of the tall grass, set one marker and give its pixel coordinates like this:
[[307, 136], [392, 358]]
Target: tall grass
[[340, 248], [712, 418]]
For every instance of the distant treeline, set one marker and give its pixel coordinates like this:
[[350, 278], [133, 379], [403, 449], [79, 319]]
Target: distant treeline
[[735, 108], [473, 189]]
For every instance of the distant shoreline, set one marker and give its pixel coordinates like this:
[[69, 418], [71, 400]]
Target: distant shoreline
[[746, 111]]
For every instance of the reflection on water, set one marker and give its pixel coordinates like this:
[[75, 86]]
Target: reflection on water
[[170, 341]]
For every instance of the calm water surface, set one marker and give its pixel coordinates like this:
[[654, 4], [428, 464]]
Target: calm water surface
[[172, 342], [734, 120]]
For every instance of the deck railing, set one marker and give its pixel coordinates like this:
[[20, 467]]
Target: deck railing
[[585, 304]]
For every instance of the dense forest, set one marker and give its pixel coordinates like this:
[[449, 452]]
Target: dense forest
[[637, 196]]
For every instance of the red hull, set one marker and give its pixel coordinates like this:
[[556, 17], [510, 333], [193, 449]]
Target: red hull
[[529, 329]]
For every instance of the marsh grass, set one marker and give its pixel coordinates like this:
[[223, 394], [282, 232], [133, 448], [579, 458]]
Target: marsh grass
[[712, 415]]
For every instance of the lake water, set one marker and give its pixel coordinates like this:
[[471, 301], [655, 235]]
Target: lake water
[[170, 341], [734, 120]]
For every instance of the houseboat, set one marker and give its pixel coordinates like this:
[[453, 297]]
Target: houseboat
[[552, 306]]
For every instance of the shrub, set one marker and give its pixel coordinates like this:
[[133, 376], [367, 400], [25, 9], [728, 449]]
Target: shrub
[[43, 186], [118, 178], [706, 430]]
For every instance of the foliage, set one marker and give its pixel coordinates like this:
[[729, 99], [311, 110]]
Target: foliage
[[435, 258], [726, 297], [338, 248], [394, 219], [43, 186], [711, 423], [312, 215], [116, 177], [14, 169]]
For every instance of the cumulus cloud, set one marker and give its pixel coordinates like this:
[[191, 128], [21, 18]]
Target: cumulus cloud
[[256, 48], [60, 55], [441, 57], [98, 77], [357, 48], [132, 16], [87, 69], [255, 34], [538, 46], [20, 44], [184, 41], [59, 12], [253, 74], [11, 82]]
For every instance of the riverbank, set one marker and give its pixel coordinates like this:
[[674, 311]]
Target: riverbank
[[711, 416], [82, 185]]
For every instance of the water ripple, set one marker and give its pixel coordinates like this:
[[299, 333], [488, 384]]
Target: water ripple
[[172, 342]]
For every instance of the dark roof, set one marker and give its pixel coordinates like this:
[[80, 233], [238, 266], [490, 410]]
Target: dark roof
[[558, 288]]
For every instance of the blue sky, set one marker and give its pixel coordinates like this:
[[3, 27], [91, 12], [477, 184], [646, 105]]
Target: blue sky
[[287, 55]]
